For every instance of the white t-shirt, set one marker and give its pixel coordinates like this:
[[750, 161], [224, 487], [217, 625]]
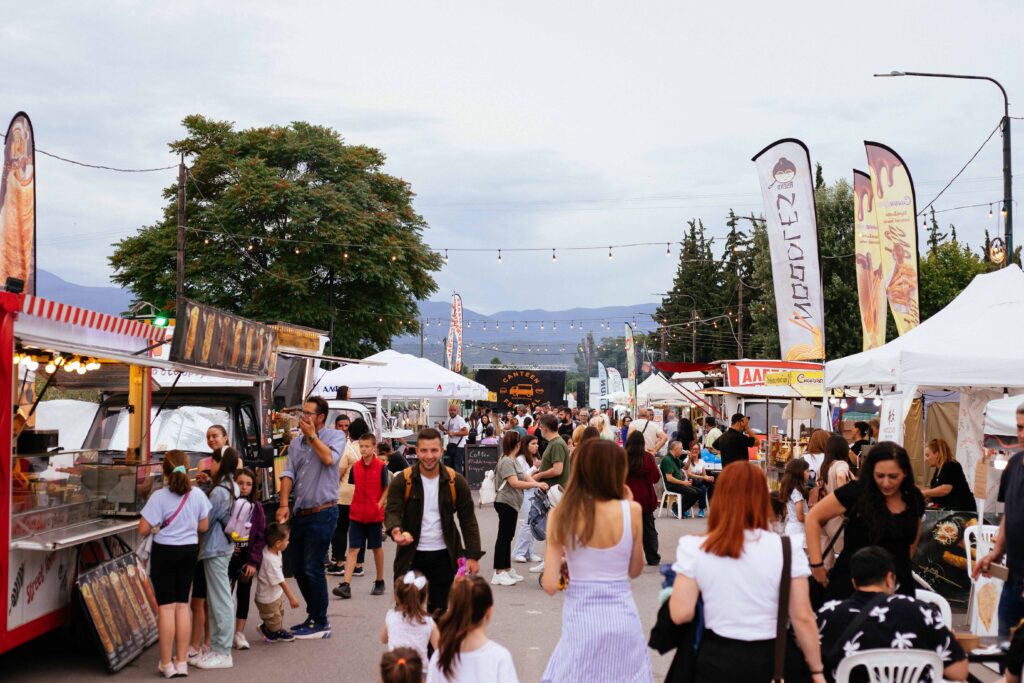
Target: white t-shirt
[[431, 534], [405, 633], [741, 596], [650, 429], [269, 578], [814, 460], [711, 437], [697, 467], [456, 424], [489, 664], [794, 526], [183, 529], [521, 459]]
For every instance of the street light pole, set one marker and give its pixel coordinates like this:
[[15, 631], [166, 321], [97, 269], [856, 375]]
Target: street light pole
[[1007, 172]]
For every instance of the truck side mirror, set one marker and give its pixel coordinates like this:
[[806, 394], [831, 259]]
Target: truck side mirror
[[264, 458]]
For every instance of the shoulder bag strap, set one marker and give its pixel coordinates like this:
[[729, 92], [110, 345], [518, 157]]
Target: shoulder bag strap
[[180, 505], [835, 537], [782, 622], [837, 646]]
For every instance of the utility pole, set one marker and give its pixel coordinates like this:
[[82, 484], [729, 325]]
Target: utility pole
[[179, 289], [693, 343], [739, 318]]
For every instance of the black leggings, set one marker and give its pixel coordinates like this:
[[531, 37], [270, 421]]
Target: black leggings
[[339, 543], [244, 584], [508, 517], [650, 538]]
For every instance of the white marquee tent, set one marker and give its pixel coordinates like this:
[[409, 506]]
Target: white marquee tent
[[657, 389], [971, 346], [401, 376]]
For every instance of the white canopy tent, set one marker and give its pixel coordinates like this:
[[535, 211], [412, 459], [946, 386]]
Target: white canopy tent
[[657, 389], [401, 376], [972, 346]]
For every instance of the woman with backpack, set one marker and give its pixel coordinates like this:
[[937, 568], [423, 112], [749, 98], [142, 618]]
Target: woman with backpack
[[509, 483], [178, 513], [216, 552], [248, 525]]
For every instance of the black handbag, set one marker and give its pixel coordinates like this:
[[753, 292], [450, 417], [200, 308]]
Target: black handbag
[[818, 591], [683, 638]]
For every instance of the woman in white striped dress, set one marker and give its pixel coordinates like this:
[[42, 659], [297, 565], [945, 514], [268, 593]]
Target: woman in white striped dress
[[598, 531]]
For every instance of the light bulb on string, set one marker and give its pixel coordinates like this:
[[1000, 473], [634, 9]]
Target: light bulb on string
[[296, 251], [206, 240], [394, 257], [554, 259], [446, 256], [877, 401], [554, 326], [1003, 211], [542, 326], [526, 325], [345, 255], [990, 214], [250, 246], [51, 367], [499, 256], [668, 249], [610, 257]]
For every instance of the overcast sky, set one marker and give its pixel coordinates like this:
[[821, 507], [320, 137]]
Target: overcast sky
[[525, 124]]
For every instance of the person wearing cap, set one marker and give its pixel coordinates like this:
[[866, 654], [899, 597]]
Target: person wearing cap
[[735, 442]]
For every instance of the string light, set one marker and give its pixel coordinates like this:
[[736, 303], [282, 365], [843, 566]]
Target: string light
[[554, 259], [250, 246], [394, 257], [668, 249], [499, 256], [446, 256], [990, 214], [345, 255], [1003, 211], [610, 257], [296, 251]]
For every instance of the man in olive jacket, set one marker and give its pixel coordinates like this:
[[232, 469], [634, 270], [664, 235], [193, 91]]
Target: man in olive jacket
[[420, 518]]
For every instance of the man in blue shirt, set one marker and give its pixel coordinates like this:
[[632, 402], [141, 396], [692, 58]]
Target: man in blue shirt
[[312, 471]]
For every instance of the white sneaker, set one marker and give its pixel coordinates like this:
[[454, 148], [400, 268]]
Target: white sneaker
[[536, 558], [503, 579], [522, 558], [537, 569], [515, 575], [215, 661], [181, 670], [240, 642], [195, 655], [167, 670]]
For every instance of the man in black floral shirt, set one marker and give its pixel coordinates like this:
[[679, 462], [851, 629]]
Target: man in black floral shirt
[[875, 617]]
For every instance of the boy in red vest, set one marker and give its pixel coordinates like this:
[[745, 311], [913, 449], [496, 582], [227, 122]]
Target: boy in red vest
[[370, 477]]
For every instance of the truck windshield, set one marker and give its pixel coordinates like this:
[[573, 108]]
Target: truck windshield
[[181, 427]]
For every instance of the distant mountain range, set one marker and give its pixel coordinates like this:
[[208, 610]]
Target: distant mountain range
[[533, 336]]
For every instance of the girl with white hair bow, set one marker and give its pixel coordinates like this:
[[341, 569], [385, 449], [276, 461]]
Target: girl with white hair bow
[[408, 624]]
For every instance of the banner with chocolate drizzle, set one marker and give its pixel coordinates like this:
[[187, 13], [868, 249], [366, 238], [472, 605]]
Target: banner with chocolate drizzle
[[868, 254]]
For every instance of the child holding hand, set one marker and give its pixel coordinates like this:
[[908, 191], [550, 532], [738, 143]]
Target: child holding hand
[[271, 588], [408, 624]]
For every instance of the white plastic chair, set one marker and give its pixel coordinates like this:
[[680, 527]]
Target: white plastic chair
[[941, 602], [669, 495], [891, 666], [981, 537]]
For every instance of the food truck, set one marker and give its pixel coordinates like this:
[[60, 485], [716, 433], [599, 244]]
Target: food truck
[[65, 510]]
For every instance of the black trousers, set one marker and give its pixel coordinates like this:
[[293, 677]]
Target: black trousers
[[650, 539], [241, 583], [508, 518], [690, 495], [454, 457], [436, 565], [339, 542], [724, 660]]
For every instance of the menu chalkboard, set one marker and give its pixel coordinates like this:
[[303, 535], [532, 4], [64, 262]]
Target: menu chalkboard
[[479, 461]]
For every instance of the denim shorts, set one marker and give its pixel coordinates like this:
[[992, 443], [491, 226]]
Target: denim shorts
[[372, 534]]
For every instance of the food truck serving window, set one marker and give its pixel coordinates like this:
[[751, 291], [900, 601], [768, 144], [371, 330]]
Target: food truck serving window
[[182, 427]]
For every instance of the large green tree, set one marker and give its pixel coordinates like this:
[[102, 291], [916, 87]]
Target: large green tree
[[288, 223], [947, 269]]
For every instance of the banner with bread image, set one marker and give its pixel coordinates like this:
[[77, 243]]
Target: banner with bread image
[[211, 338]]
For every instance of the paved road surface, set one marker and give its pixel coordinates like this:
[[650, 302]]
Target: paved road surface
[[526, 621]]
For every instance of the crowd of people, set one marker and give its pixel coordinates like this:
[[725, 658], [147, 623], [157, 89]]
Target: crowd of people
[[830, 551]]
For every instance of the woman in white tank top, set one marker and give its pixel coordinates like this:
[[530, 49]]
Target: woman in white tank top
[[598, 531]]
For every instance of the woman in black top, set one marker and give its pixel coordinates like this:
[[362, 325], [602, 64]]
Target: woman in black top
[[883, 508], [863, 436], [948, 488]]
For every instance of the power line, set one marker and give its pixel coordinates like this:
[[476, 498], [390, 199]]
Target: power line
[[3, 136], [962, 169]]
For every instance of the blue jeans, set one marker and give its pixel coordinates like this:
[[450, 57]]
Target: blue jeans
[[524, 541], [310, 537], [219, 604], [1011, 603]]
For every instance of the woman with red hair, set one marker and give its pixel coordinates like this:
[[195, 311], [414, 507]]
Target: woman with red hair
[[737, 568]]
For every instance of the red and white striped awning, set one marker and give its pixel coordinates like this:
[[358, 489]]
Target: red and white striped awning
[[93, 320]]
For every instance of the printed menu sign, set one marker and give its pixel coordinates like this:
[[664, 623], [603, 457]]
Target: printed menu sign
[[212, 338]]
